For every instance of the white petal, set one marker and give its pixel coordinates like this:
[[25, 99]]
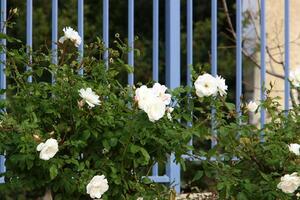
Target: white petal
[[40, 146], [62, 39]]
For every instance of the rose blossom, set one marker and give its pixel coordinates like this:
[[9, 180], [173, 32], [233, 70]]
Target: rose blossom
[[159, 90], [294, 147], [252, 106], [206, 85], [143, 95], [289, 183], [222, 87], [155, 109], [48, 149], [89, 97], [295, 77], [71, 34], [97, 186], [153, 100]]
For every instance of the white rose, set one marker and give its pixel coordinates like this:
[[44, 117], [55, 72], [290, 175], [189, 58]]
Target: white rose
[[48, 149], [289, 183], [252, 106], [143, 95], [294, 148], [153, 100], [155, 109], [97, 186], [295, 77], [89, 97], [160, 91], [206, 85], [72, 35], [222, 87]]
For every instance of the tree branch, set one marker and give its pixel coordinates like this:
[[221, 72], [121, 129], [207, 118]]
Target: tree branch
[[243, 50]]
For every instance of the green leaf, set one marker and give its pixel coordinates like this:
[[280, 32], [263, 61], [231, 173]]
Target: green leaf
[[86, 134], [198, 175], [53, 171], [242, 196], [147, 180]]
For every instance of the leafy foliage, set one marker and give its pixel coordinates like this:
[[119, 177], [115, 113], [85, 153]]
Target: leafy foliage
[[115, 138], [249, 160]]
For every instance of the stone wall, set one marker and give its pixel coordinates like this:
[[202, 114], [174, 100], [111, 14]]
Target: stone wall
[[275, 44]]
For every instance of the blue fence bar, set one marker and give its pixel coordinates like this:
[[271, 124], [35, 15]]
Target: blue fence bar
[[214, 52], [131, 39], [214, 12], [105, 29], [173, 72], [2, 74], [262, 59], [54, 34], [29, 33], [155, 54], [286, 54], [81, 30], [155, 47], [189, 42], [239, 67]]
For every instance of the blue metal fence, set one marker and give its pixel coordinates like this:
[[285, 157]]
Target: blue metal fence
[[2, 68], [172, 56]]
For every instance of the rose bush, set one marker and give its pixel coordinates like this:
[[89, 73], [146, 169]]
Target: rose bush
[[90, 136], [85, 136], [253, 162]]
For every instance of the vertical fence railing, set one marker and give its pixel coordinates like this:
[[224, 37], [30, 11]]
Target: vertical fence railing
[[29, 33], [189, 48], [239, 67], [54, 33], [80, 22], [155, 40], [2, 74], [105, 30], [131, 39], [155, 55], [262, 59], [214, 44], [286, 55], [173, 72]]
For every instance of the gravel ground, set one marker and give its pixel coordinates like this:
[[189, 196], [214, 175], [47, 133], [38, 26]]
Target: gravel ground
[[197, 196]]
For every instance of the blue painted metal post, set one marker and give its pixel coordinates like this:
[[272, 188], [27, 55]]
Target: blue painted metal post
[[131, 39], [155, 54], [155, 47], [286, 54], [106, 30], [81, 30], [54, 34], [262, 59], [29, 33], [214, 43], [189, 22], [173, 73], [239, 65], [2, 74]]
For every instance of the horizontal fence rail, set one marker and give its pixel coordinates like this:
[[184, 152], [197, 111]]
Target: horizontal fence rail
[[173, 58]]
